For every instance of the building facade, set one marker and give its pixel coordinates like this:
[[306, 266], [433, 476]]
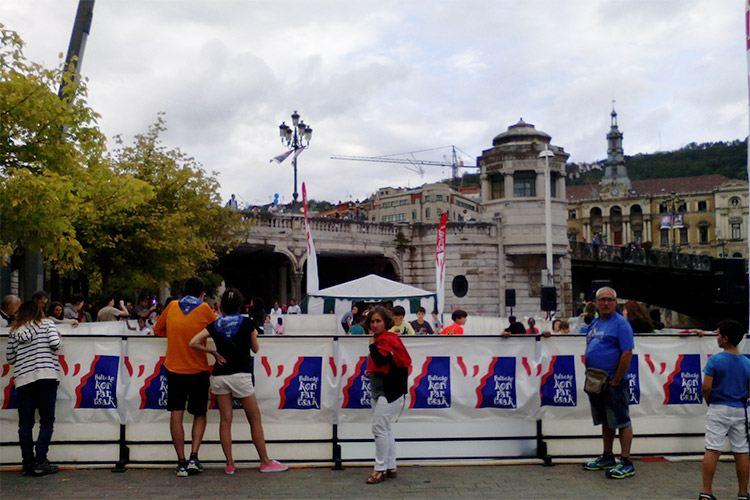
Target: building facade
[[425, 204], [704, 215]]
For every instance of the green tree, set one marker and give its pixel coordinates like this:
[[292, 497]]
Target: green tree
[[171, 235], [127, 221], [54, 175]]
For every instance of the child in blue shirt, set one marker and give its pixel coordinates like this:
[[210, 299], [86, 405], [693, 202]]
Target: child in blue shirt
[[725, 388]]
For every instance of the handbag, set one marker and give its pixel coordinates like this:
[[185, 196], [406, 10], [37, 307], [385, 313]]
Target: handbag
[[596, 381]]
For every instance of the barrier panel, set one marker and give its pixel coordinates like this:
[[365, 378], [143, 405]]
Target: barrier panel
[[510, 396]]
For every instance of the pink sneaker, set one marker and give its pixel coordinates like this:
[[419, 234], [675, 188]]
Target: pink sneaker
[[229, 469], [274, 466]]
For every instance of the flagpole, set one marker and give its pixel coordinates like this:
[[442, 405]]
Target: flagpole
[[747, 48]]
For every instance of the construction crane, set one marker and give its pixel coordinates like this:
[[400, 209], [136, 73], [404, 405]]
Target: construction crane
[[414, 164]]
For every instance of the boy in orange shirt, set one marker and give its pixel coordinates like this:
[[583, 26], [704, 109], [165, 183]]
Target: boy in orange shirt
[[457, 328], [187, 370]]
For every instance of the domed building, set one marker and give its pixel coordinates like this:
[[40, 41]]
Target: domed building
[[513, 174]]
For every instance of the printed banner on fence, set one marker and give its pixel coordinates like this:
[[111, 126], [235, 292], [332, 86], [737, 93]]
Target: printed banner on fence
[[296, 380], [453, 379], [450, 381], [91, 381]]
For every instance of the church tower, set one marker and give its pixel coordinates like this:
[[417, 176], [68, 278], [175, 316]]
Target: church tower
[[615, 173]]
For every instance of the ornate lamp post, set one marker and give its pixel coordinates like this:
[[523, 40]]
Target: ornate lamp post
[[293, 137], [673, 202]]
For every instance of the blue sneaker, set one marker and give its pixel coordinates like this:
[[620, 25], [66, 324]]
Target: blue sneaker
[[181, 469], [621, 471], [194, 466], [600, 463]]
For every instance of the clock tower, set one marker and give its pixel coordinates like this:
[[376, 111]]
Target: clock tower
[[615, 180]]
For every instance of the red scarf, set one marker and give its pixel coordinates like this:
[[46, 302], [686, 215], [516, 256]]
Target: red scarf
[[389, 343]]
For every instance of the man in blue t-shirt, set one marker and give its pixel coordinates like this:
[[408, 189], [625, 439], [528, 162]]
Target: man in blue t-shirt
[[609, 347]]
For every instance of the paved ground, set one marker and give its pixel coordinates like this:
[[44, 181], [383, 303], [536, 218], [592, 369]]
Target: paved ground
[[653, 480]]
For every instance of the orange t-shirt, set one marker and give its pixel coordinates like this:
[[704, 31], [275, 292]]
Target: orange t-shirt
[[180, 328], [454, 329]]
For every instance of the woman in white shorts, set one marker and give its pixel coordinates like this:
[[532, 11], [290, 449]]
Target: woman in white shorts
[[235, 336]]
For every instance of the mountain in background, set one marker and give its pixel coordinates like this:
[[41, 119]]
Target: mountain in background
[[724, 158]]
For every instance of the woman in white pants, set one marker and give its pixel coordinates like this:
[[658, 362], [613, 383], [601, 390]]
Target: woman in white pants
[[388, 370]]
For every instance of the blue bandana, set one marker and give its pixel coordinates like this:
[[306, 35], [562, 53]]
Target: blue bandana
[[228, 326], [188, 303]]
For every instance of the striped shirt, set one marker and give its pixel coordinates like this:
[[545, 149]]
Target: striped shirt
[[30, 350]]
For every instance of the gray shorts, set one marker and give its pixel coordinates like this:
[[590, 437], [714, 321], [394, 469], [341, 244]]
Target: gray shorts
[[612, 406], [723, 421]]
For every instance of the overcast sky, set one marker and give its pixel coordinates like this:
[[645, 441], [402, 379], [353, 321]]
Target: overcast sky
[[383, 77]]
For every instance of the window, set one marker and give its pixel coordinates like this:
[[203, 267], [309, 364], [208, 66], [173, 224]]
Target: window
[[702, 206], [637, 235], [497, 187], [524, 183], [664, 237], [734, 202], [394, 218], [553, 185], [683, 235], [571, 214], [438, 197], [413, 215], [426, 213], [703, 234], [426, 198], [663, 208], [736, 231]]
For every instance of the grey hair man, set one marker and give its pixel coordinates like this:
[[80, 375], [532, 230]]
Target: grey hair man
[[609, 347], [8, 308]]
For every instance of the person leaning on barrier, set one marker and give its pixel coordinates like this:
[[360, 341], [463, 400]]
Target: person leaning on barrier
[[187, 370], [515, 328], [638, 317], [609, 349]]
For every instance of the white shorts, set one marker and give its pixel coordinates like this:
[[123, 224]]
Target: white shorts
[[239, 385], [723, 421]]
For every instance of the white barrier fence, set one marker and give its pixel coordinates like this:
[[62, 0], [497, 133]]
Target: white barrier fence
[[508, 395]]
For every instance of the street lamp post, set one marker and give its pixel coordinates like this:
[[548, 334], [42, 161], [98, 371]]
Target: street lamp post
[[293, 137], [548, 278], [673, 203]]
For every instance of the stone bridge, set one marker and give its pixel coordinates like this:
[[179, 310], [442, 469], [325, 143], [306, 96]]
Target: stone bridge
[[706, 288], [271, 262]]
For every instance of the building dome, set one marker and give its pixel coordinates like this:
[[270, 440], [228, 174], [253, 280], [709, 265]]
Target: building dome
[[521, 132]]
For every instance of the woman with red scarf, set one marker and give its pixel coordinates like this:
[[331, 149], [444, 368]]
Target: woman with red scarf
[[388, 370]]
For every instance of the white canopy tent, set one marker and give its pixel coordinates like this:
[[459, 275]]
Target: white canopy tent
[[370, 288]]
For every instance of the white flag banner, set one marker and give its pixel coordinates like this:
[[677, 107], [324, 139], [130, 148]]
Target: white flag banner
[[283, 156], [312, 258]]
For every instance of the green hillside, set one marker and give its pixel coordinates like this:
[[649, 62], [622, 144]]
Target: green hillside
[[724, 158]]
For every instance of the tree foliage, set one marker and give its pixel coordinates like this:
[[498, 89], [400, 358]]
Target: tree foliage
[[172, 234], [54, 174], [130, 220]]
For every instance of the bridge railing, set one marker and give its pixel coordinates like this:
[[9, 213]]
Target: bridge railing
[[265, 221], [639, 256]]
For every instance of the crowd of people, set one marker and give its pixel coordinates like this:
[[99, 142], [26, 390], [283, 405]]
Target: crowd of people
[[189, 322]]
